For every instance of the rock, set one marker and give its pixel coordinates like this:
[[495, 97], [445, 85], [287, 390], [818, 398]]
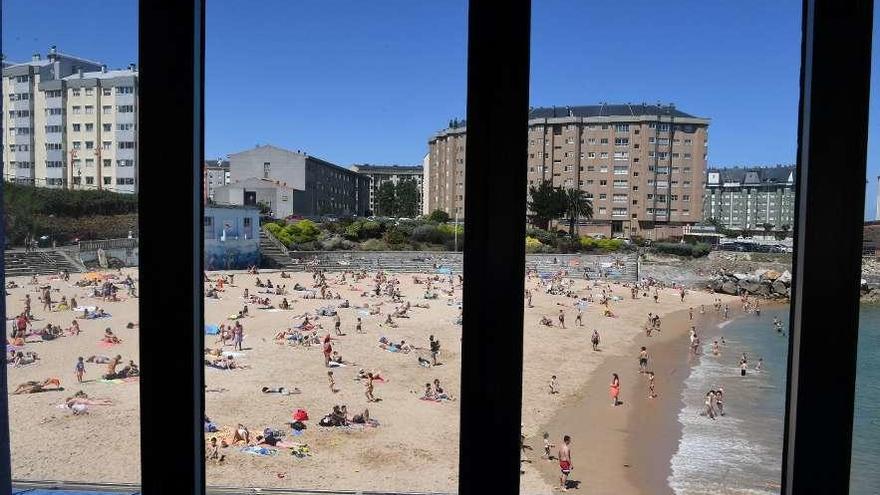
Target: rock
[[763, 289], [741, 276], [785, 278], [759, 272], [778, 287], [771, 275], [729, 288], [749, 286]]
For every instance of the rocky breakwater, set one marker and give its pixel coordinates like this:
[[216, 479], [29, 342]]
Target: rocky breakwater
[[768, 284]]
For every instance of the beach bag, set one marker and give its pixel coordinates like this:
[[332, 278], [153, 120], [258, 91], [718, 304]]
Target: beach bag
[[300, 415]]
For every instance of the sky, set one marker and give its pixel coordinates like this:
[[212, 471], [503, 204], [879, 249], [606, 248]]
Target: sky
[[370, 82]]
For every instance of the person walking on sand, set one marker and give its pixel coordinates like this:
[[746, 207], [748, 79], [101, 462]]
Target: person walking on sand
[[565, 465], [579, 318], [368, 388], [554, 385], [359, 327], [614, 389], [328, 350], [651, 393], [643, 360], [331, 382], [691, 314], [595, 340], [337, 324], [561, 318]]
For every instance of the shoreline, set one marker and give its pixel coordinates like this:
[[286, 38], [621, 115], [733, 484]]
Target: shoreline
[[631, 439]]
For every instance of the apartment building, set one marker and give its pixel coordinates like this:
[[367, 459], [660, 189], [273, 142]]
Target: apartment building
[[70, 123], [320, 187], [379, 174], [216, 174], [750, 197], [641, 165]]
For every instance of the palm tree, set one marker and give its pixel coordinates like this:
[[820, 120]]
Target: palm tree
[[577, 206]]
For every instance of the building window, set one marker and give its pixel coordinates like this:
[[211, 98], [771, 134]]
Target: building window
[[602, 210], [75, 92], [77, 145], [107, 180], [90, 162], [124, 127], [125, 108], [90, 92], [90, 180], [621, 141], [77, 127], [603, 154], [126, 145], [90, 109], [621, 127], [124, 163], [126, 181], [603, 141], [107, 109], [106, 145], [107, 127], [124, 90], [90, 145], [90, 127], [603, 182], [106, 91], [77, 110]]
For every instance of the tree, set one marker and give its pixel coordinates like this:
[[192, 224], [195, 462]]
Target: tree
[[746, 232], [385, 199], [439, 216], [784, 232], [577, 206], [767, 228], [407, 198], [546, 202]]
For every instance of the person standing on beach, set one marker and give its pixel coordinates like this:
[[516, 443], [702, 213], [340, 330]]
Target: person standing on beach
[[337, 324], [434, 346], [614, 389], [643, 360], [682, 293], [691, 314], [237, 336], [726, 311], [743, 364], [80, 370], [554, 385], [595, 340], [328, 350], [561, 318], [529, 298], [565, 465], [579, 318]]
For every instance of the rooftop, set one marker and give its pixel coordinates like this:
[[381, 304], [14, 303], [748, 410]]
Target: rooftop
[[755, 174], [367, 168], [607, 110]]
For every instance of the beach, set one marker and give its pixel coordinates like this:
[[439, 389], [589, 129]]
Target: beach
[[414, 445]]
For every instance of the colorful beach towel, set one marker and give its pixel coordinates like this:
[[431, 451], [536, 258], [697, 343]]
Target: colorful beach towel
[[212, 330]]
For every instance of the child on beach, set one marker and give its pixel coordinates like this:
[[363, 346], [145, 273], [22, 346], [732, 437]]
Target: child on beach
[[80, 369], [358, 328], [332, 383], [595, 340], [579, 318], [554, 386], [643, 360], [651, 393], [561, 318], [547, 446]]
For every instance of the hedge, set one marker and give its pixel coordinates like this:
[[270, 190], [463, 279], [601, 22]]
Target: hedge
[[682, 249]]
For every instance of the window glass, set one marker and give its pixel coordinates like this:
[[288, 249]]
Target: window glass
[[628, 331], [72, 250], [319, 206]]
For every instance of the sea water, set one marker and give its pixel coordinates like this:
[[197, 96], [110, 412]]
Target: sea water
[[741, 452]]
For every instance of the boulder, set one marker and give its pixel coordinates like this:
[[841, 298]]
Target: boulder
[[749, 286], [729, 288], [763, 289], [785, 278], [771, 275], [778, 287], [759, 272], [741, 276]]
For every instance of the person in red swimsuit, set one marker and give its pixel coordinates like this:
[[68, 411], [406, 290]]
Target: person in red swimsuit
[[565, 465]]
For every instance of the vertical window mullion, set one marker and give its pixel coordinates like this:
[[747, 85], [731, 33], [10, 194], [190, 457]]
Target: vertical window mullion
[[832, 148], [171, 42], [494, 253]]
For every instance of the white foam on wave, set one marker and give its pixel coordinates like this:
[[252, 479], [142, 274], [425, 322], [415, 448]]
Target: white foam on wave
[[717, 456]]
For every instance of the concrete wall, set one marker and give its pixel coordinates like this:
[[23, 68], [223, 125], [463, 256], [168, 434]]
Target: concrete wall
[[241, 246]]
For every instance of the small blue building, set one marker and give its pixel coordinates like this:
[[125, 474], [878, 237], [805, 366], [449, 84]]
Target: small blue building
[[232, 237]]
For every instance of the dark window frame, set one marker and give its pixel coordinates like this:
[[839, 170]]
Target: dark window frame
[[835, 75]]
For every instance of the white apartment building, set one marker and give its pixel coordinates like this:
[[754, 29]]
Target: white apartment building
[[70, 123]]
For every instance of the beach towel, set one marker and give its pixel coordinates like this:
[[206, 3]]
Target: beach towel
[[260, 451], [212, 330], [444, 271], [96, 317], [334, 364], [80, 309]]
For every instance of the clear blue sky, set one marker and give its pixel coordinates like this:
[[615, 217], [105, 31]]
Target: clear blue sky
[[354, 81]]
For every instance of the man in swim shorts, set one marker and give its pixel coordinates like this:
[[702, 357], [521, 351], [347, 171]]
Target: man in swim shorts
[[565, 462]]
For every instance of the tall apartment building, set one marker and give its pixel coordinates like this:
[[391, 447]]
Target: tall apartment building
[[216, 174], [70, 123], [641, 165], [320, 187], [749, 197], [380, 174]]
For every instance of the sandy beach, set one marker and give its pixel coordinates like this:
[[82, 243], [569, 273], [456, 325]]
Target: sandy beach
[[415, 445]]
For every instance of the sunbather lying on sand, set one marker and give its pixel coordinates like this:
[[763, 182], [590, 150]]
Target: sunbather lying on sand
[[33, 387]]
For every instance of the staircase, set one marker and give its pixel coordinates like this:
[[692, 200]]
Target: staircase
[[20, 263], [273, 254]]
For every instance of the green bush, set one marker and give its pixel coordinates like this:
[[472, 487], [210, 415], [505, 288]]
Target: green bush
[[374, 245], [545, 237], [682, 249], [439, 216], [429, 233], [394, 237]]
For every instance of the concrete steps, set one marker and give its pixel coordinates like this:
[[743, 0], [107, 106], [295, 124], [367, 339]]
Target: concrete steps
[[44, 262]]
